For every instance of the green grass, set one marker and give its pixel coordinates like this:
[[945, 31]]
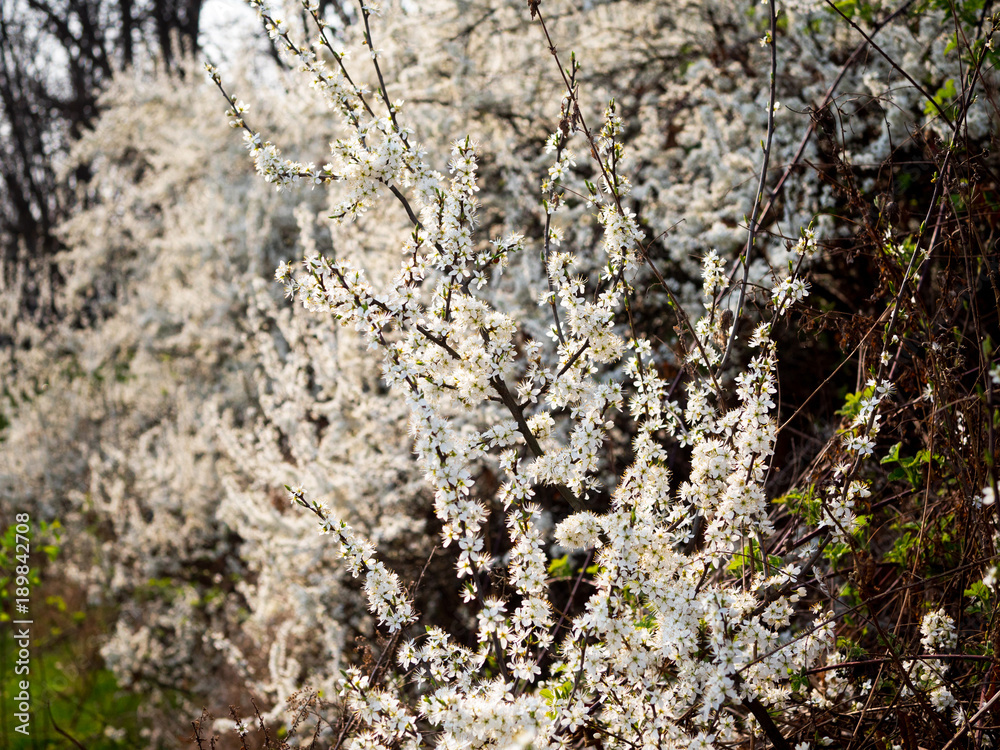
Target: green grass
[[85, 703]]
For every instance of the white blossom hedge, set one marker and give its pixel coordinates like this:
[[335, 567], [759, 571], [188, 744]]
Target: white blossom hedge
[[685, 637], [552, 445]]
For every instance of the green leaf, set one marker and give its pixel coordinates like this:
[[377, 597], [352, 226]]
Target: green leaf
[[979, 590], [847, 7], [892, 455], [560, 567], [896, 474], [852, 403]]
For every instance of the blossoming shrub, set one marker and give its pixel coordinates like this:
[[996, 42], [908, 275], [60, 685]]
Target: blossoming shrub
[[709, 454], [691, 628]]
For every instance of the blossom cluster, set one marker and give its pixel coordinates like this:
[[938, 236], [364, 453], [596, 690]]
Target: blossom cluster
[[937, 634]]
